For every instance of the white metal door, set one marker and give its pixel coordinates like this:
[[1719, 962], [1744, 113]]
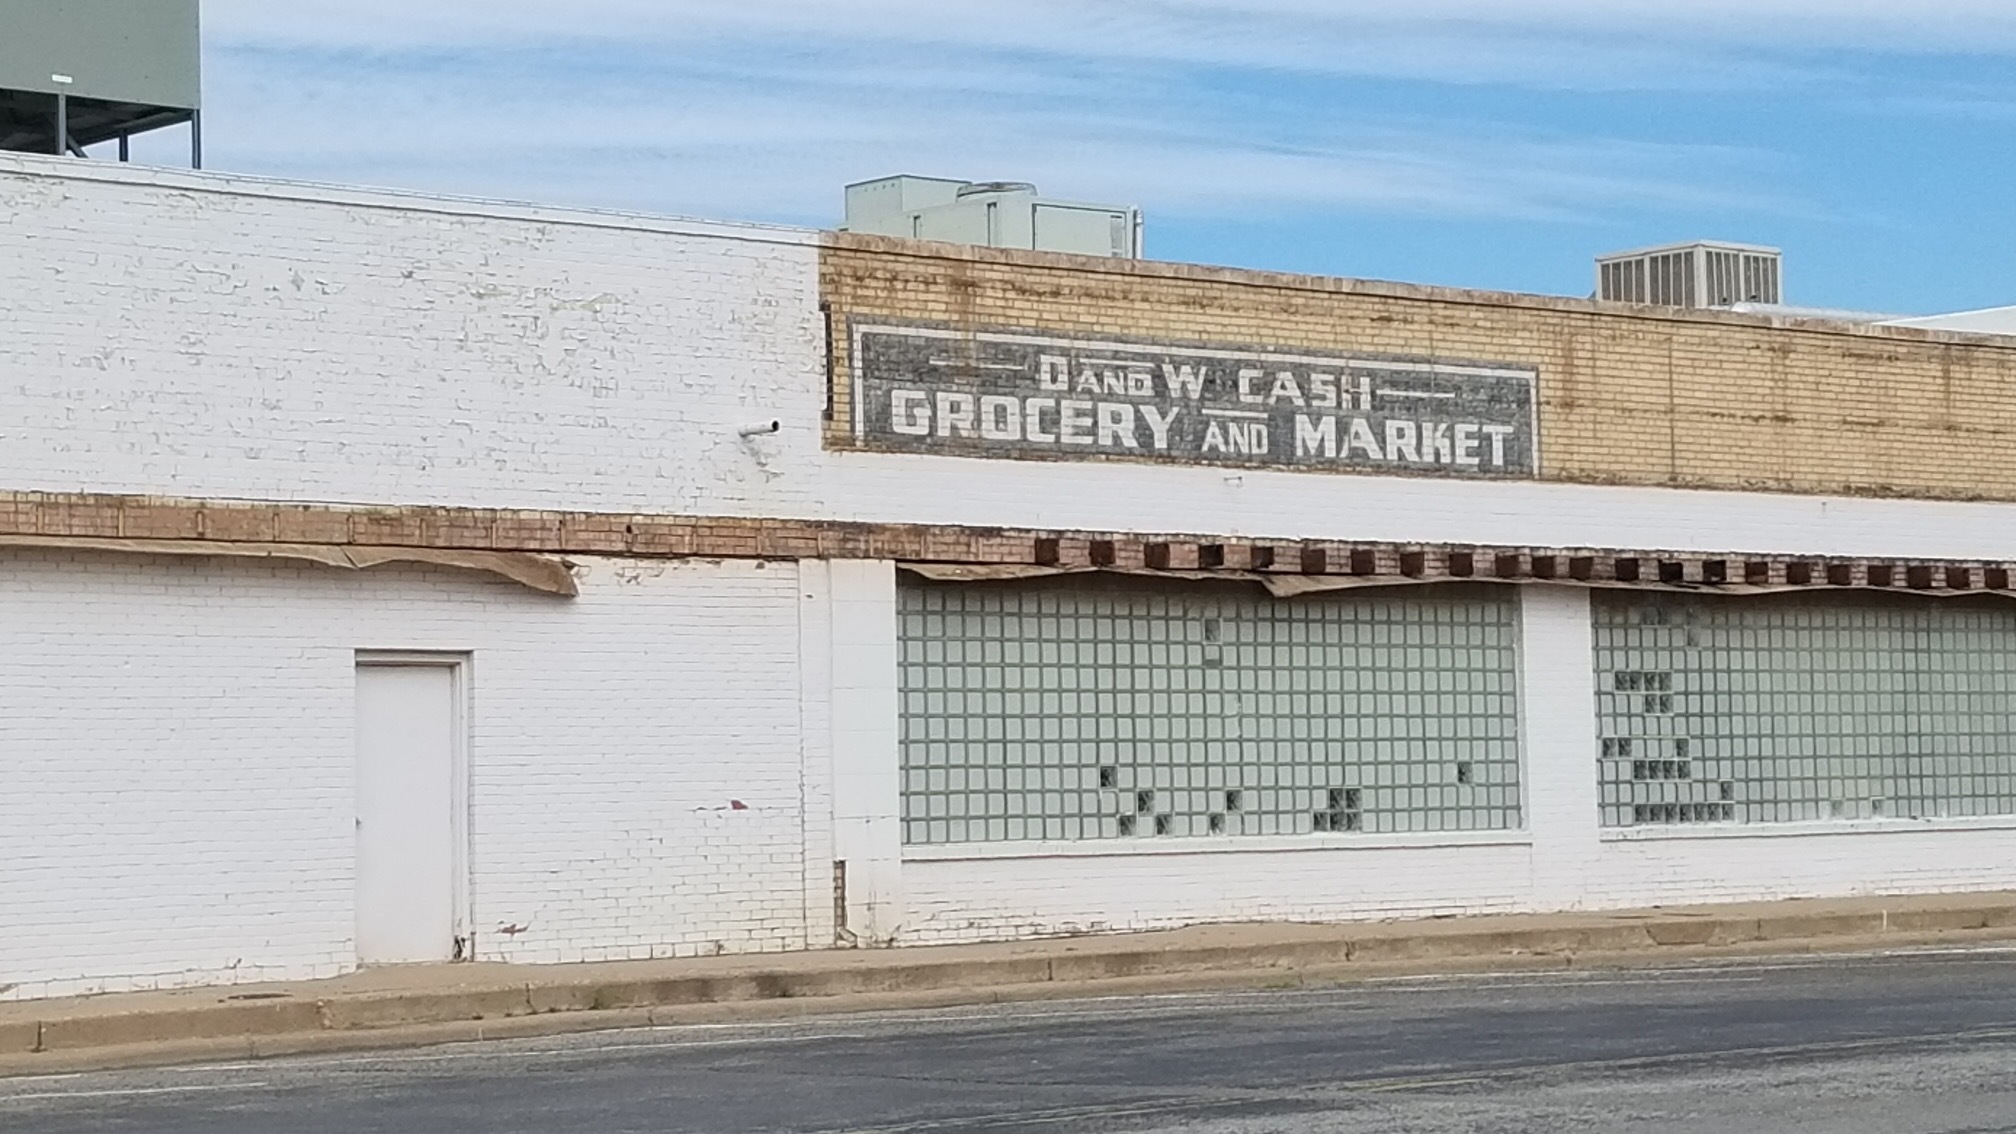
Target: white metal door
[[407, 730]]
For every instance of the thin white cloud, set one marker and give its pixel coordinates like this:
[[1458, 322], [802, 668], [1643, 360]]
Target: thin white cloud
[[753, 141], [762, 108], [1249, 32]]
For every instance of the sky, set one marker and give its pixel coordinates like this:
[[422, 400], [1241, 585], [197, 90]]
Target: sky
[[1475, 143]]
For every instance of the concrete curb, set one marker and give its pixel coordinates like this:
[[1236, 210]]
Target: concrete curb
[[98, 1032]]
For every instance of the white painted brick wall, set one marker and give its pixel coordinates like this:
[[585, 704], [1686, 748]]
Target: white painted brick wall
[[204, 335], [1844, 860], [1558, 743], [867, 783], [983, 899], [170, 334], [993, 898], [179, 763]]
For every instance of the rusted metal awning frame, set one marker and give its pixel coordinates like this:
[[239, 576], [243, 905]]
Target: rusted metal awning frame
[[1288, 568]]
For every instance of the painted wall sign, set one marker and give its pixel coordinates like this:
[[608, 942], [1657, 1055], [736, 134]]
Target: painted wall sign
[[1011, 394]]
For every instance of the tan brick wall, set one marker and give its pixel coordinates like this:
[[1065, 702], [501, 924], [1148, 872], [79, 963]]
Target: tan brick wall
[[1628, 395]]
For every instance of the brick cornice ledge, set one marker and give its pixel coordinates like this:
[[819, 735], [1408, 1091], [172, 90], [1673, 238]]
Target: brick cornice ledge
[[728, 537]]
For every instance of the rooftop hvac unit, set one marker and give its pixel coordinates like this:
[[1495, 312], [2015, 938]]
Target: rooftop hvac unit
[[1703, 274], [998, 214]]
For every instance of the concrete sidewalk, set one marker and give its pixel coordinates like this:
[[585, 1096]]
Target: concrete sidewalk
[[413, 1005]]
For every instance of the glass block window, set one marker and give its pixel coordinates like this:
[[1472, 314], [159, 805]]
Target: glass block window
[[1073, 709], [1790, 708]]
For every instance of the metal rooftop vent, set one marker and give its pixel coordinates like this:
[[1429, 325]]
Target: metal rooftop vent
[[1706, 273], [980, 188]]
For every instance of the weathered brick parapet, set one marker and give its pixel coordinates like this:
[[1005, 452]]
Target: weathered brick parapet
[[1626, 394], [141, 518]]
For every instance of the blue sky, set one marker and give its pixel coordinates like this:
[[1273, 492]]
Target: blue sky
[[1477, 143]]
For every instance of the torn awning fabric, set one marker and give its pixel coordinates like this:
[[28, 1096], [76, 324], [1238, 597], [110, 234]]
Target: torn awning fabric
[[541, 573]]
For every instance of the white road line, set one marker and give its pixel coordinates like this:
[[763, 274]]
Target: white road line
[[585, 1048], [1494, 985], [66, 1077], [130, 1091], [1940, 951]]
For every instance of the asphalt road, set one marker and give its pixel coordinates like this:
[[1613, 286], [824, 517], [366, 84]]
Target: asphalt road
[[1897, 1044]]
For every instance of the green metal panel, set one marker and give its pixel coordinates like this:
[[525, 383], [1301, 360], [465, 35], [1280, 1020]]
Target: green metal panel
[[1107, 710], [132, 51], [1802, 708]]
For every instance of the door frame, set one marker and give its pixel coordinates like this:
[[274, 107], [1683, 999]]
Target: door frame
[[459, 664]]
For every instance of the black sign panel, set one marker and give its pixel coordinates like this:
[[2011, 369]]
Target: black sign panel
[[1013, 394]]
